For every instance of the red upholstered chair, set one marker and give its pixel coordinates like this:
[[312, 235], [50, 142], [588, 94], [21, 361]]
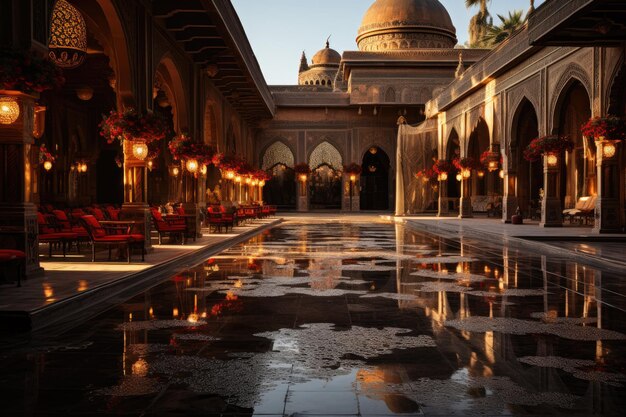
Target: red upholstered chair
[[273, 210], [101, 236], [171, 225], [215, 218], [113, 213], [66, 226], [98, 214], [180, 210], [228, 217], [12, 259], [48, 234]]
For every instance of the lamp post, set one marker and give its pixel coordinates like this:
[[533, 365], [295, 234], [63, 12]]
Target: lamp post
[[352, 181]]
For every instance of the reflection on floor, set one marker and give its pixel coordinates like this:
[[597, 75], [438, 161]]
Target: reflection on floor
[[342, 318]]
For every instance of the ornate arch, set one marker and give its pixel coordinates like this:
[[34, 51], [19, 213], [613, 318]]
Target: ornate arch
[[169, 75], [325, 153], [618, 76], [572, 73], [277, 153]]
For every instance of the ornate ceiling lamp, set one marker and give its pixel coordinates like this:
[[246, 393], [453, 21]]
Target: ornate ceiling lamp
[[67, 47]]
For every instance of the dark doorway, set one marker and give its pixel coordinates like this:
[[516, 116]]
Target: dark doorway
[[529, 174], [110, 188], [325, 189], [375, 180], [280, 191]]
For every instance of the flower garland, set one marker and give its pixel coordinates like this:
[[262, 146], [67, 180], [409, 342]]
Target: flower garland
[[490, 156], [353, 169], [28, 73], [302, 169], [45, 155], [183, 147], [232, 163], [609, 127], [442, 166], [130, 125], [465, 163], [547, 144]]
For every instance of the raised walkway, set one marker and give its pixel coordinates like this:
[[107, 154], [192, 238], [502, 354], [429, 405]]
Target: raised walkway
[[607, 251], [74, 288]]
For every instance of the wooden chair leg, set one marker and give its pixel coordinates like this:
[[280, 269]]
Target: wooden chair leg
[[128, 251], [93, 252]]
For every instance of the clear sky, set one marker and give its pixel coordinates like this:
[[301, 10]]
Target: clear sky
[[279, 30]]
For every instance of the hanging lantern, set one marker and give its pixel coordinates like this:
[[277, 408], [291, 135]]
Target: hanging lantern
[[373, 150], [303, 177], [442, 177], [552, 159], [481, 174], [238, 179], [230, 174], [47, 165], [459, 177], [140, 150], [466, 173], [608, 149], [192, 166], [262, 183], [39, 121], [248, 180], [67, 47], [150, 165], [9, 110], [204, 170], [84, 93], [174, 171]]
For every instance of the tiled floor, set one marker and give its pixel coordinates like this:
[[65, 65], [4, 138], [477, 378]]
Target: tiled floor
[[342, 316]]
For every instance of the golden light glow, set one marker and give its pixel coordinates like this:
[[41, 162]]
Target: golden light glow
[[238, 179], [303, 177], [248, 180], [192, 166], [175, 171], [373, 150], [230, 174], [47, 165], [493, 165], [140, 368], [82, 167], [608, 150], [204, 170], [501, 174], [84, 93], [481, 174], [352, 178], [552, 159], [466, 173], [39, 121], [459, 177], [262, 183], [443, 176], [140, 150], [193, 318], [150, 165], [48, 292], [175, 312], [9, 110], [255, 183], [83, 285]]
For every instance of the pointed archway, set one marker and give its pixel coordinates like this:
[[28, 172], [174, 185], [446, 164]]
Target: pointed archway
[[375, 180], [326, 166], [529, 174], [279, 191]]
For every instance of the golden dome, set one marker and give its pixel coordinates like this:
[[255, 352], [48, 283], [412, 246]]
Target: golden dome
[[406, 24], [326, 56]]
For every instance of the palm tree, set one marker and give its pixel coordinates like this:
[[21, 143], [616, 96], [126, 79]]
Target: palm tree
[[508, 25], [479, 23]]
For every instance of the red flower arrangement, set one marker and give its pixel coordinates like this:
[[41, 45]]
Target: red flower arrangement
[[130, 125], [262, 175], [302, 169], [442, 166], [490, 156], [609, 127], [184, 147], [465, 163], [232, 163], [353, 169], [547, 144], [45, 155], [28, 73]]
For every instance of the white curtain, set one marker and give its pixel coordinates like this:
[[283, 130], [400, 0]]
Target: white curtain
[[416, 147]]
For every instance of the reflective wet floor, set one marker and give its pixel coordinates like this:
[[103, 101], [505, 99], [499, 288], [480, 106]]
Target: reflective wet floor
[[342, 318]]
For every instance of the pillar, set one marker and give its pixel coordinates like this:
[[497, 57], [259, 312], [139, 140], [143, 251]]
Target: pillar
[[303, 192], [551, 214], [190, 188], [351, 201], [509, 200], [444, 208], [135, 205], [18, 213], [608, 213], [465, 205]]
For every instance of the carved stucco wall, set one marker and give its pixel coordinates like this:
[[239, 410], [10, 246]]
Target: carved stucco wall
[[277, 153]]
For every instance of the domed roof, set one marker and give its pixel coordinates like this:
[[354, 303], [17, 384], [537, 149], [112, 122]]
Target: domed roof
[[326, 56], [406, 24]]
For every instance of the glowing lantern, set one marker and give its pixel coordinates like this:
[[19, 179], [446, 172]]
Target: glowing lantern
[[352, 178], [175, 171], [84, 93], [552, 159], [9, 110], [466, 173], [501, 174], [238, 179], [248, 180], [204, 170], [47, 165], [68, 36], [140, 150], [443, 176], [481, 174], [230, 174], [83, 167], [608, 149], [192, 166], [459, 177], [262, 183], [303, 177]]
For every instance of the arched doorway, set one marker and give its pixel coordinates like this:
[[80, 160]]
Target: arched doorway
[[578, 170], [326, 175], [482, 183], [280, 190], [375, 180], [529, 174], [453, 151]]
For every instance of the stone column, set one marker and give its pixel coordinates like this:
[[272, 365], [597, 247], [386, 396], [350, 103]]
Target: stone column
[[18, 213], [303, 192], [551, 214], [135, 205], [444, 208], [190, 200], [509, 200], [608, 214], [465, 205]]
